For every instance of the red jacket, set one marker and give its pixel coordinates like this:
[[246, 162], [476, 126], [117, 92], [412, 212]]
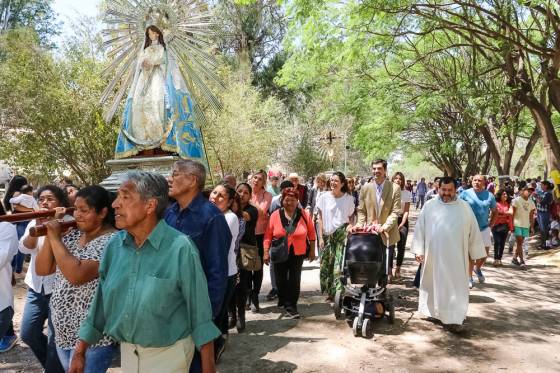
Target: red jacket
[[304, 230]]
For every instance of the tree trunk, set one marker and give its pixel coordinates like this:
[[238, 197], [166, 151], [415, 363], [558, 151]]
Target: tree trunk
[[487, 163], [528, 150], [492, 150], [550, 141]]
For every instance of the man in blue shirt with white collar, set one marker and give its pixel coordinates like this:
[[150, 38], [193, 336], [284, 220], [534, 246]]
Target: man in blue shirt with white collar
[[205, 224]]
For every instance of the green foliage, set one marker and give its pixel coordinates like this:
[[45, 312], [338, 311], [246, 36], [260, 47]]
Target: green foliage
[[51, 118], [245, 135], [306, 160], [249, 32], [35, 14], [408, 82]]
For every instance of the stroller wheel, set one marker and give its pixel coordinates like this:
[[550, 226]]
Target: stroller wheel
[[391, 304], [367, 328], [338, 305], [355, 327]]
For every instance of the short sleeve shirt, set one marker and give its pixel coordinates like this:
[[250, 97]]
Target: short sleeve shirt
[[335, 212], [406, 196], [69, 303], [523, 208], [481, 203]]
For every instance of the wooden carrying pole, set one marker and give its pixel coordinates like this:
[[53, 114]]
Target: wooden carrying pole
[[26, 216], [41, 230]]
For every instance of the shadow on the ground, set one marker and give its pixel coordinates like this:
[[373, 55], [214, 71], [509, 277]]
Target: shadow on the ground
[[258, 340], [310, 267], [473, 298]]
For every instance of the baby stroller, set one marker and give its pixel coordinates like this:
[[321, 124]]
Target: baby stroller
[[365, 263]]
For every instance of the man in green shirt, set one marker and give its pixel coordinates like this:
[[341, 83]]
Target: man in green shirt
[[152, 295]]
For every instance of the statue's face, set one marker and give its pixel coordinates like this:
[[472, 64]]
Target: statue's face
[[152, 35]]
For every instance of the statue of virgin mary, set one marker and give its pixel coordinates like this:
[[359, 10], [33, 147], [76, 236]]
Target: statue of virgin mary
[[158, 112]]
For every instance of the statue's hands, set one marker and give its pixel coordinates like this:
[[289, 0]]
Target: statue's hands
[[146, 65]]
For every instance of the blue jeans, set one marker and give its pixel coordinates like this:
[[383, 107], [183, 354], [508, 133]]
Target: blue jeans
[[17, 262], [543, 218], [98, 359], [35, 313], [6, 323]]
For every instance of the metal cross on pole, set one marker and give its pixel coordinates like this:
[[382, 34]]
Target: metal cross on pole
[[330, 137]]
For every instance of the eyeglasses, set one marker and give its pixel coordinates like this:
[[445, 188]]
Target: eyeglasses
[[176, 174]]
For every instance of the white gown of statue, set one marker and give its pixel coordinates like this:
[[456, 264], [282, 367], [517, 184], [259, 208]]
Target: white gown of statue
[[446, 234], [148, 99]]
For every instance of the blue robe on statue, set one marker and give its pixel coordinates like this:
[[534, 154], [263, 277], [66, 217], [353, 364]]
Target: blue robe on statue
[[159, 111]]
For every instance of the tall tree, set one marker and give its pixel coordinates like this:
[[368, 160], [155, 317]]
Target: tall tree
[[520, 38], [245, 134], [51, 120], [35, 14], [250, 32]]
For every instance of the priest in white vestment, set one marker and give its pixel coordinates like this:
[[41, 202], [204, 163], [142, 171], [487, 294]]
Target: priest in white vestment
[[445, 236]]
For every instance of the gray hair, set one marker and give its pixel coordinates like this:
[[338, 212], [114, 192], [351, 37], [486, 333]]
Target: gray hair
[[194, 168], [150, 185]]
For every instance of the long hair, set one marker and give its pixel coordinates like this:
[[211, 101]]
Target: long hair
[[233, 198], [343, 181], [15, 185], [99, 198], [148, 41], [499, 196], [398, 173]]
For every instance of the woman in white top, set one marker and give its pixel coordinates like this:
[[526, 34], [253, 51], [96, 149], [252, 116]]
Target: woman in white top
[[406, 198], [223, 196], [334, 210], [36, 310]]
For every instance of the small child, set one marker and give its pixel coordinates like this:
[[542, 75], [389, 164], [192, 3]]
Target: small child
[[26, 198], [554, 239]]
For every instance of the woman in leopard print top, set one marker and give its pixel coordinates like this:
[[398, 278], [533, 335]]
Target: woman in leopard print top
[[75, 259]]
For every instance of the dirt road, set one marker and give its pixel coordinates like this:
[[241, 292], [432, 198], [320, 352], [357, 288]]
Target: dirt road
[[513, 325]]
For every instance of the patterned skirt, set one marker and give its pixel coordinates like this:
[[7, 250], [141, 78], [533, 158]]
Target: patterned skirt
[[331, 261]]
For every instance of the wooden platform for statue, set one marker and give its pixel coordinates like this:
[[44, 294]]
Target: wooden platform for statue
[[158, 164]]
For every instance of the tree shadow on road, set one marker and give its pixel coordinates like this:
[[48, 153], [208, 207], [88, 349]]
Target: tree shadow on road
[[261, 337]]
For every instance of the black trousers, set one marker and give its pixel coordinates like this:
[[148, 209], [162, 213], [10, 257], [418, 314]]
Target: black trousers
[[255, 278], [500, 238], [288, 280], [401, 245], [6, 322], [243, 288], [222, 318]]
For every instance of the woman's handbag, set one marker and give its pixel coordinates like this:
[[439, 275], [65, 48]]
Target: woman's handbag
[[279, 252], [249, 258]]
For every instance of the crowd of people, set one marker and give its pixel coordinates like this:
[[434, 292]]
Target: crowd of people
[[165, 268]]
